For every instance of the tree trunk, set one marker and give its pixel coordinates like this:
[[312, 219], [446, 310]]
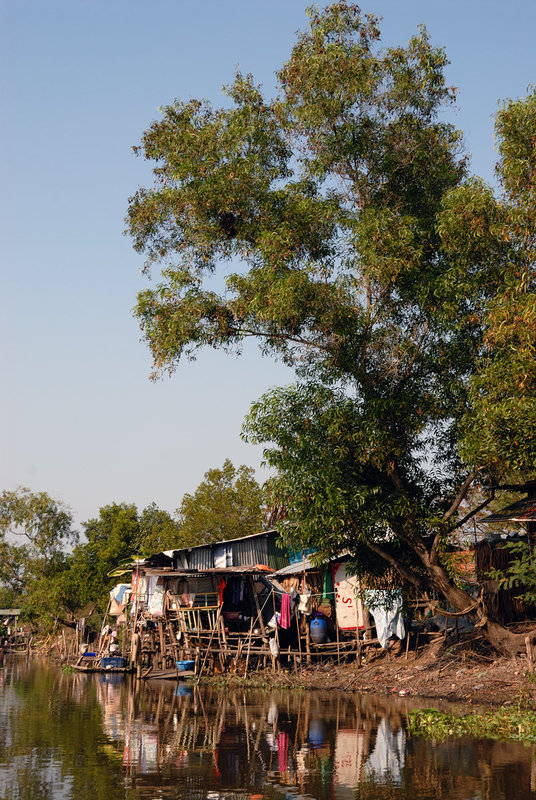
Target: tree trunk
[[501, 639]]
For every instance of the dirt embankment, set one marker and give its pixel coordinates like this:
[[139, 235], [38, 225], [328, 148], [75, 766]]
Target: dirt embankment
[[465, 672]]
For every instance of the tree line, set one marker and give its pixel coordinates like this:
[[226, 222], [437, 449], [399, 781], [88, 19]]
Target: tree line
[[55, 573]]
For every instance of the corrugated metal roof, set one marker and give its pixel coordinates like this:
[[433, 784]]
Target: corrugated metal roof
[[306, 563], [520, 511], [297, 567], [238, 539], [200, 557], [213, 571]]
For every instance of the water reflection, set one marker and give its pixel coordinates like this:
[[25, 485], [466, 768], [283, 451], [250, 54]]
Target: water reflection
[[106, 737]]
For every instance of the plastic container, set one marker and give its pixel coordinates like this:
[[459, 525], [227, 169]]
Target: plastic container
[[183, 666], [113, 662], [318, 629]]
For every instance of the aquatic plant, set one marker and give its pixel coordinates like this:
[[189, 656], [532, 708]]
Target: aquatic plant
[[504, 723]]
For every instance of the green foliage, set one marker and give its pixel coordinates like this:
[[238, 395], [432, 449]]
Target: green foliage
[[225, 505], [501, 420], [158, 530], [330, 463], [313, 191], [505, 723], [117, 534]]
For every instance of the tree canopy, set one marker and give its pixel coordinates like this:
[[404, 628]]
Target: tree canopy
[[400, 287], [227, 504]]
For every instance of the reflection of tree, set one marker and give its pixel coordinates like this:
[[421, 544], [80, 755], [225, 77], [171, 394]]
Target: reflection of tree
[[54, 745]]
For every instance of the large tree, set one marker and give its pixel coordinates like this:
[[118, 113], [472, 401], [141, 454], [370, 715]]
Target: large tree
[[227, 504], [370, 262]]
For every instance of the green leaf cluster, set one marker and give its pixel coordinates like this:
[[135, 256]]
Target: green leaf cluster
[[227, 504]]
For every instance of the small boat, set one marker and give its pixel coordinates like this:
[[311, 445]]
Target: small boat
[[90, 662]]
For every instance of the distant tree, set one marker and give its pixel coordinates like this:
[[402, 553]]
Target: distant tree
[[29, 571], [227, 504], [158, 530], [110, 538]]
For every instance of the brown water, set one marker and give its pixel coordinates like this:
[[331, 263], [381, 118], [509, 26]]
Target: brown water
[[104, 737]]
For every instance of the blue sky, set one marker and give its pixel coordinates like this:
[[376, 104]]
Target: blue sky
[[81, 80]]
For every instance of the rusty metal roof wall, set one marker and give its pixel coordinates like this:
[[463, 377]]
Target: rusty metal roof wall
[[201, 557], [248, 552], [520, 511]]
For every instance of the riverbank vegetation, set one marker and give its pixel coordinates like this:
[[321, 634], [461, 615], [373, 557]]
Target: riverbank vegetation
[[399, 286]]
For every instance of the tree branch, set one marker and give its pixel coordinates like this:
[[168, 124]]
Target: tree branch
[[410, 577], [285, 337], [461, 495], [472, 513], [450, 512]]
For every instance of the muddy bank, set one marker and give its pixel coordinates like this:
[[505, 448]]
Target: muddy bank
[[465, 673]]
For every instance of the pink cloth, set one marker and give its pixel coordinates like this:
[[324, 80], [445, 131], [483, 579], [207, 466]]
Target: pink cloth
[[285, 611], [282, 750]]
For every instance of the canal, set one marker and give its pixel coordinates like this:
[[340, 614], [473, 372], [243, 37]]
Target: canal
[[102, 737]]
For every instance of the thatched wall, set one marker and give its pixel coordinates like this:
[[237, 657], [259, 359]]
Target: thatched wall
[[503, 604]]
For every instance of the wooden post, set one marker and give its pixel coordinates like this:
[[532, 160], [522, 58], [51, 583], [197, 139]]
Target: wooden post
[[307, 641], [249, 647], [216, 626], [162, 643], [530, 656], [358, 646], [299, 636], [257, 606], [275, 659]]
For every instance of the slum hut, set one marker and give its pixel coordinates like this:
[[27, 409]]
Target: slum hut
[[338, 617], [515, 523], [209, 606], [209, 619]]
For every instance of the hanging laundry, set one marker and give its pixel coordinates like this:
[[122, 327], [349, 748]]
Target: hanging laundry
[[327, 586], [221, 587], [306, 602], [386, 608], [285, 611], [235, 591]]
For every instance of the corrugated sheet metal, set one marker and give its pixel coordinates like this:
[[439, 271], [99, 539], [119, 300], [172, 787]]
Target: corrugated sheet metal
[[277, 555], [251, 551], [297, 567], [201, 558]]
